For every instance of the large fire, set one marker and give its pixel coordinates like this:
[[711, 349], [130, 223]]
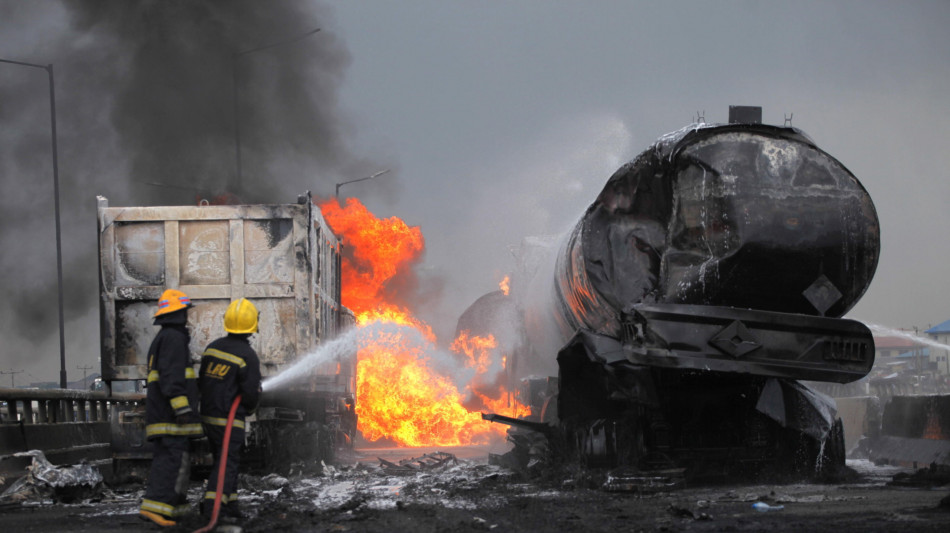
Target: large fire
[[401, 395]]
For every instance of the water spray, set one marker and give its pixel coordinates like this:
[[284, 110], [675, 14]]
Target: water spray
[[891, 332], [346, 345]]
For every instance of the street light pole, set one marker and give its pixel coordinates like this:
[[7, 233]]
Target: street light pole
[[234, 96], [59, 248], [376, 175]]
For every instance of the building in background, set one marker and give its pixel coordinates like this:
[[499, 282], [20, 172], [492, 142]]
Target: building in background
[[940, 358]]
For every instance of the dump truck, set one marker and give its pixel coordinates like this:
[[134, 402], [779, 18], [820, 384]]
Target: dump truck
[[284, 258], [684, 309]]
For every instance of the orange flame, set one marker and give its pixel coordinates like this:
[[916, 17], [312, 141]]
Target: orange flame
[[476, 349], [400, 396], [505, 288], [379, 249], [394, 315], [487, 387], [503, 404], [933, 431]]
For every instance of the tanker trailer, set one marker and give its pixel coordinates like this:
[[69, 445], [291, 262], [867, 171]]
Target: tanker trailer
[[705, 280]]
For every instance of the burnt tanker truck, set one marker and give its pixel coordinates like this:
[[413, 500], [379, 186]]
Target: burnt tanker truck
[[705, 281]]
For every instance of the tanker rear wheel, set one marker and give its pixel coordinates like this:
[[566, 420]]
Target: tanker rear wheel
[[831, 459], [608, 442], [804, 456]]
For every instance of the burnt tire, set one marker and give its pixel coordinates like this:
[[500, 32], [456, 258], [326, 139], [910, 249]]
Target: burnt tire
[[802, 456], [831, 457]]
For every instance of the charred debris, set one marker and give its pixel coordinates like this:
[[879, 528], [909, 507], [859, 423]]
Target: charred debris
[[703, 284]]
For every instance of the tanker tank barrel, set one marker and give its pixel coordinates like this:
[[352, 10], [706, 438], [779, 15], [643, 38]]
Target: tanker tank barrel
[[741, 215]]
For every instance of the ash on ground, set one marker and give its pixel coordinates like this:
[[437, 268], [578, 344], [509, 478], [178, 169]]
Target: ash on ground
[[442, 494]]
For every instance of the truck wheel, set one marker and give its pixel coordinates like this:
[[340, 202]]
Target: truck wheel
[[831, 458]]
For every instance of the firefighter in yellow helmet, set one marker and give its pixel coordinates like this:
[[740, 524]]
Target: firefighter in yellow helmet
[[171, 411], [229, 367]]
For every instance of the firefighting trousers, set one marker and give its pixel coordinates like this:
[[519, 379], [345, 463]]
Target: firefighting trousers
[[167, 489], [215, 434]]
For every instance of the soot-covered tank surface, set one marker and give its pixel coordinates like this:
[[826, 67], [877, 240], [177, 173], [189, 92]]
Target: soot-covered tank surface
[[747, 216]]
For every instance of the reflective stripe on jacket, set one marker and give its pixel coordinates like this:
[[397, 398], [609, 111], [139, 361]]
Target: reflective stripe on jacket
[[171, 386], [229, 366], [216, 421]]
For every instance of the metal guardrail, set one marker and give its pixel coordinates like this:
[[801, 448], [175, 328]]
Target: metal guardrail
[[67, 425], [51, 406]]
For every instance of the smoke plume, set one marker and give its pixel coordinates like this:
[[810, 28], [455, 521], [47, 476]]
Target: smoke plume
[[146, 114]]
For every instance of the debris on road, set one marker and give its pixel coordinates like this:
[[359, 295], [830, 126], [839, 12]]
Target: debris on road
[[763, 507], [427, 462], [627, 479], [680, 511], [936, 475], [45, 481]]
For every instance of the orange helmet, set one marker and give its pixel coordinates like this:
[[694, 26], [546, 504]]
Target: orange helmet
[[172, 300]]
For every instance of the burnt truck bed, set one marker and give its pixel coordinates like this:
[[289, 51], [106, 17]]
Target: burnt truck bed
[[283, 257]]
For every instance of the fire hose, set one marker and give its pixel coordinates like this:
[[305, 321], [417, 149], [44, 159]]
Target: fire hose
[[222, 464]]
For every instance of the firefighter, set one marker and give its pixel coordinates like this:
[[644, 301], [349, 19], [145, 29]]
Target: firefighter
[[171, 417], [229, 367]]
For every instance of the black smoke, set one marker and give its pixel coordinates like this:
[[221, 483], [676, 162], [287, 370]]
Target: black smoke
[[146, 116]]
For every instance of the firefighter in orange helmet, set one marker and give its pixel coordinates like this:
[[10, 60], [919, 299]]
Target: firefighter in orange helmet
[[229, 367], [171, 412]]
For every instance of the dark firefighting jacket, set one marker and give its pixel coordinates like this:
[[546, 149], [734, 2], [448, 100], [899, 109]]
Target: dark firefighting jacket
[[229, 367], [172, 388]]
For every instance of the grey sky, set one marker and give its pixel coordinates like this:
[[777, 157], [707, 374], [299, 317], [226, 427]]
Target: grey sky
[[507, 118], [500, 120]]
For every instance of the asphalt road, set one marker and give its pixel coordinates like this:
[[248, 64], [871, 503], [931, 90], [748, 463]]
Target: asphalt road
[[467, 494]]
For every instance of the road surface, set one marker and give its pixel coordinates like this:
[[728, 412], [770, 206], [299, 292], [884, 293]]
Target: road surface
[[468, 494]]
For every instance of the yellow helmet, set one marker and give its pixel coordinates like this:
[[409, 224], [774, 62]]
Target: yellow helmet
[[241, 317], [172, 300]]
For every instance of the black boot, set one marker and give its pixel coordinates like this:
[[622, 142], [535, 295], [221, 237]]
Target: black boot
[[233, 510], [207, 507]]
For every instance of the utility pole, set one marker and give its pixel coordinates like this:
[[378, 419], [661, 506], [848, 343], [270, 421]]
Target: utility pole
[[12, 376], [59, 247], [84, 368]]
